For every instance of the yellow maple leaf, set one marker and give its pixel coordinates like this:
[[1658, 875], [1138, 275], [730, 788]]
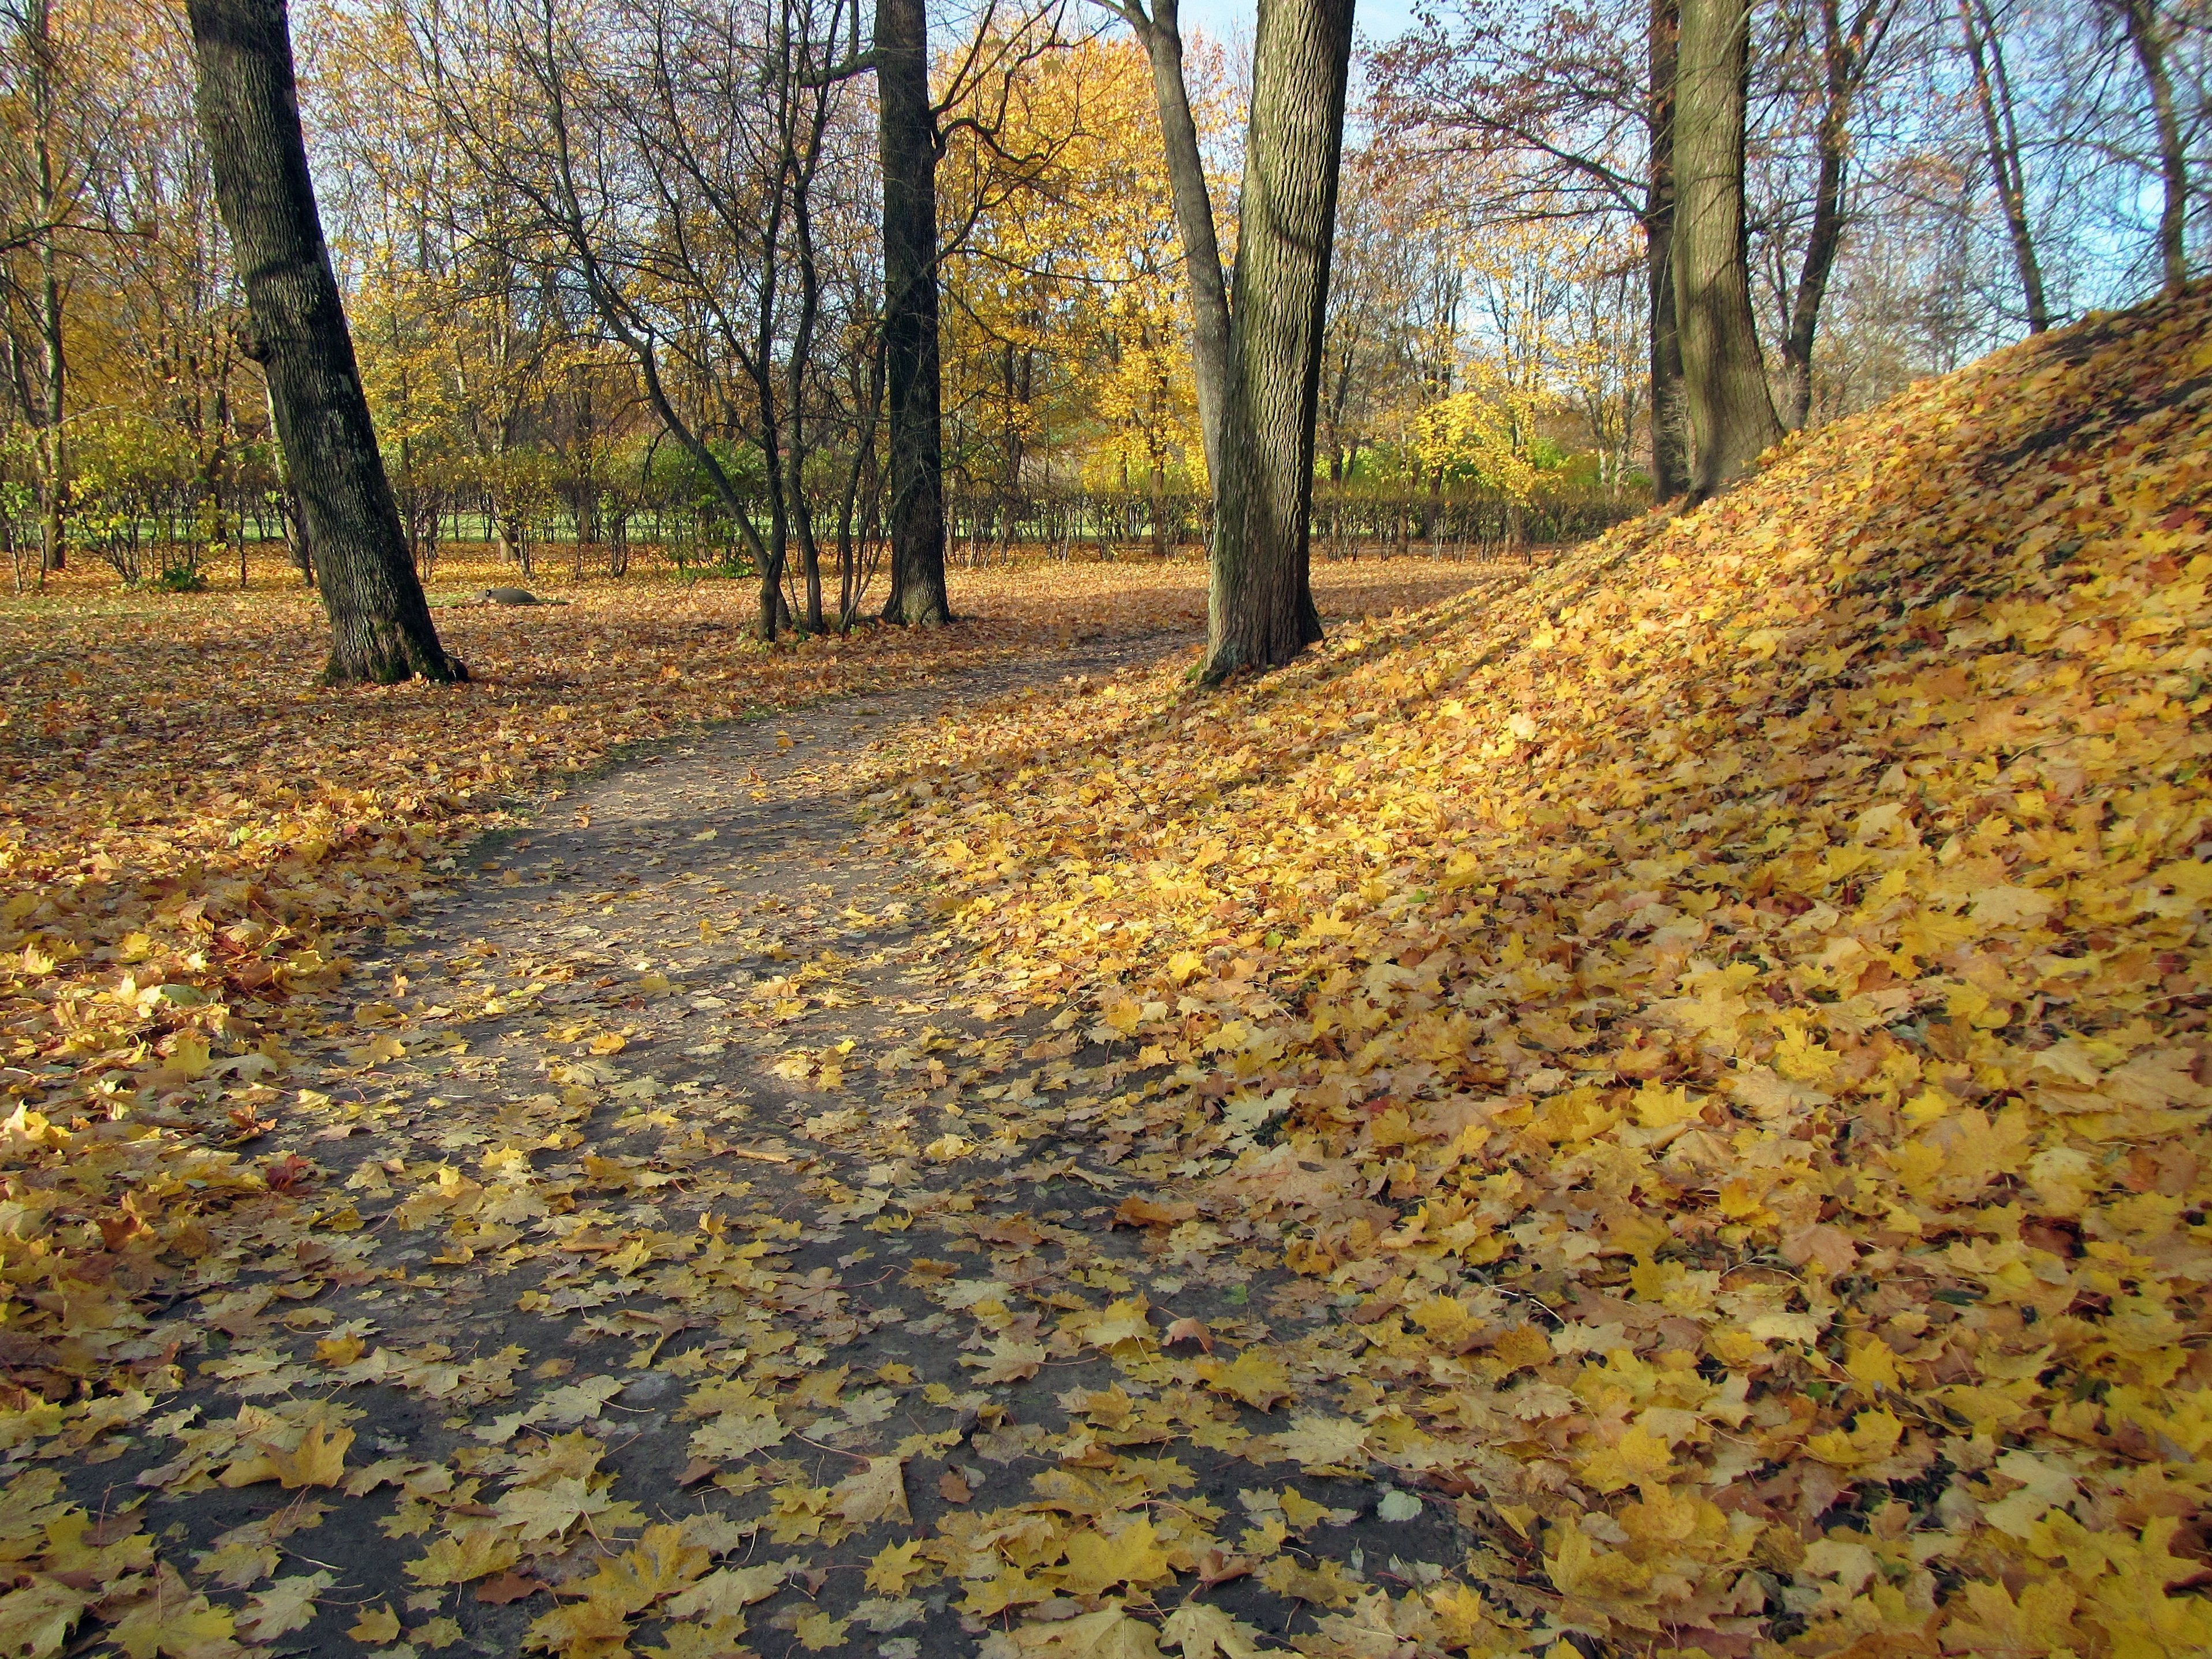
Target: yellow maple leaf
[[1201, 1630], [1873, 1435], [659, 1564], [874, 1493], [1637, 1458], [818, 1631], [1873, 1362], [318, 1460], [722, 1595], [35, 1620], [375, 1626], [1258, 1379], [1660, 1108], [461, 1557], [1110, 1634], [1299, 1511], [895, 1566], [718, 1639], [1096, 1563]]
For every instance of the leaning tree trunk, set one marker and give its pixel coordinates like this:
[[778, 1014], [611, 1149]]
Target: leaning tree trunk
[[1670, 430], [907, 135], [1825, 238], [1731, 409], [1161, 31], [249, 110], [1260, 610], [1993, 92]]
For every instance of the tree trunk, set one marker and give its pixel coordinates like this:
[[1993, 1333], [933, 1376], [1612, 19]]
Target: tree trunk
[[1670, 430], [1825, 233], [35, 27], [249, 110], [907, 135], [1993, 92], [1844, 54], [2145, 34], [1160, 33], [1260, 610], [1731, 410]]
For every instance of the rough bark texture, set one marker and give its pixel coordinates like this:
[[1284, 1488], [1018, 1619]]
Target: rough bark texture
[[1260, 611], [1731, 409], [908, 135], [2147, 36], [1670, 420], [249, 109], [1162, 34], [1993, 92]]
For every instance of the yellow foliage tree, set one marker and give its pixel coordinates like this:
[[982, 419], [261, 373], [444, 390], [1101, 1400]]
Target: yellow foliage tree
[[1067, 356]]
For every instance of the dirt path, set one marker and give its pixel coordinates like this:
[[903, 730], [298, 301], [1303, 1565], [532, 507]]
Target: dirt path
[[662, 1184]]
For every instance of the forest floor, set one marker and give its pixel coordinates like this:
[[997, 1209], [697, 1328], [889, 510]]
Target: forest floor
[[581, 1042]]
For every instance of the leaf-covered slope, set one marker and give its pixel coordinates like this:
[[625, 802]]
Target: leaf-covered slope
[[1724, 1017]]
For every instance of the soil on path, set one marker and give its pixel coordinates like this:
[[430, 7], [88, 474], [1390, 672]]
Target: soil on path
[[661, 1183]]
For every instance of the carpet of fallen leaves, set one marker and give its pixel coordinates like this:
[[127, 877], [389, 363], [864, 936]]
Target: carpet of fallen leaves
[[192, 839], [1723, 1023], [186, 817]]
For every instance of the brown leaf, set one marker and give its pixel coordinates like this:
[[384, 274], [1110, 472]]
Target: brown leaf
[[509, 1586], [1152, 1213]]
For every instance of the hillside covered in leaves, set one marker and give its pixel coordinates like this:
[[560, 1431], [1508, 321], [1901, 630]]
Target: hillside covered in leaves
[[1722, 1024]]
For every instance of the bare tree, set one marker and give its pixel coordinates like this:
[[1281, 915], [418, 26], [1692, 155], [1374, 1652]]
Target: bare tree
[[1849, 50], [2007, 171]]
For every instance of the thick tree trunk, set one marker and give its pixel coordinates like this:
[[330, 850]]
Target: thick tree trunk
[[249, 110], [1670, 421], [1993, 92], [1260, 611], [2147, 36], [1731, 409], [908, 135], [1162, 35]]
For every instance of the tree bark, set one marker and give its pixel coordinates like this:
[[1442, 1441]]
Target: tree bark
[[1993, 93], [1670, 430], [1160, 33], [249, 110], [1731, 409], [907, 139], [35, 39], [1260, 611], [2145, 35]]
